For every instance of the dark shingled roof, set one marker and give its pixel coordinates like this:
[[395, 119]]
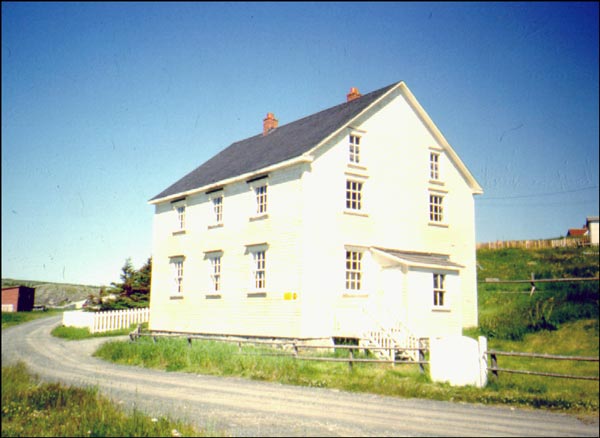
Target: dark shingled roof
[[284, 143]]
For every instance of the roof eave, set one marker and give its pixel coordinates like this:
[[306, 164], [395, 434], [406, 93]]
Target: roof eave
[[281, 165], [476, 189], [412, 264]]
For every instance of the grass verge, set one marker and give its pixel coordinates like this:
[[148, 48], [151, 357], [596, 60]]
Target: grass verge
[[224, 359], [10, 319], [32, 408], [77, 333]]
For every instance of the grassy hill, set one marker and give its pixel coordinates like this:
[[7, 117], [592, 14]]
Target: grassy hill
[[54, 294], [509, 311]]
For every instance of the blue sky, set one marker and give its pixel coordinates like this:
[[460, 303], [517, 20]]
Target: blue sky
[[104, 105]]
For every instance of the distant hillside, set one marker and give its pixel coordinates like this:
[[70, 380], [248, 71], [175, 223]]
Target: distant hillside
[[54, 294]]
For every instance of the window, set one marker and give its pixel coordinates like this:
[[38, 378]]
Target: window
[[259, 269], [436, 209], [180, 224], [261, 199], [178, 274], [217, 203], [354, 195], [353, 270], [216, 273], [354, 149], [439, 290], [434, 166]]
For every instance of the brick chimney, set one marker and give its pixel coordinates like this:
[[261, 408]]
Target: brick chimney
[[354, 94], [269, 123]]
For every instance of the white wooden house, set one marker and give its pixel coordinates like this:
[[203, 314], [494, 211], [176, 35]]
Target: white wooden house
[[354, 222]]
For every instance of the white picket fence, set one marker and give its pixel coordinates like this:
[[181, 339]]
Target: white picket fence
[[99, 322]]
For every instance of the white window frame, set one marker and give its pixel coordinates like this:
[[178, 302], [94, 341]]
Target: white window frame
[[354, 149], [180, 210], [434, 165], [177, 266], [259, 269], [261, 196], [217, 207], [215, 275], [353, 271], [354, 195], [440, 293], [436, 208]]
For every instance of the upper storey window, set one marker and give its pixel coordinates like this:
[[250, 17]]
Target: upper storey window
[[436, 208], [434, 166], [181, 217], [354, 149], [354, 195], [179, 209], [261, 199], [217, 203]]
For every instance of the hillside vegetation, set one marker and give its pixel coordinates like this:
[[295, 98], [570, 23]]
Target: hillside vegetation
[[54, 294], [509, 311]]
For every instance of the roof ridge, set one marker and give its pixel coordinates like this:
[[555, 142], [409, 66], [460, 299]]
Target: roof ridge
[[281, 144], [339, 105]]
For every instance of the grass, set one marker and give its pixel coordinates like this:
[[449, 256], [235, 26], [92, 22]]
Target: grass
[[557, 319], [509, 311], [33, 408], [224, 359], [78, 333], [10, 319]]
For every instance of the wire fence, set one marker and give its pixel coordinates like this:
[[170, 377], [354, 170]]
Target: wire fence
[[493, 364]]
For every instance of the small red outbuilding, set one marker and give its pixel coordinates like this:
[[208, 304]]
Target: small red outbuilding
[[17, 299]]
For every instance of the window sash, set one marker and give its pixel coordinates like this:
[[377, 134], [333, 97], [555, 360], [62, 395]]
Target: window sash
[[354, 195], [181, 217], [216, 273], [434, 166], [218, 208], [439, 290], [259, 269], [261, 199], [353, 270], [354, 149], [178, 275], [436, 208]]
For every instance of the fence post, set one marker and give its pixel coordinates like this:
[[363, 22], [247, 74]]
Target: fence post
[[295, 350], [350, 363], [421, 358], [494, 364], [189, 339]]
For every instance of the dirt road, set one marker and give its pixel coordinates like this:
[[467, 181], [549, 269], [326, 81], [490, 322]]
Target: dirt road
[[238, 407]]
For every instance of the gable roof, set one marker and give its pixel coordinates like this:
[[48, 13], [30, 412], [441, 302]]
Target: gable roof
[[293, 140], [284, 143]]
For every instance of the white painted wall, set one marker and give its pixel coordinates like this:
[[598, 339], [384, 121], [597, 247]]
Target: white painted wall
[[593, 229], [308, 231]]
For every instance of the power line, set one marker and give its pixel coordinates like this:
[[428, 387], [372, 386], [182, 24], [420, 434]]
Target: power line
[[540, 194], [539, 204]]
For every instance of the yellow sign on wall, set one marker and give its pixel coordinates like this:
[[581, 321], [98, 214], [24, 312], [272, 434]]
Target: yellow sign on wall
[[290, 296]]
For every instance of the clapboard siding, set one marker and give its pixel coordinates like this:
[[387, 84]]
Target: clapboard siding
[[308, 230]]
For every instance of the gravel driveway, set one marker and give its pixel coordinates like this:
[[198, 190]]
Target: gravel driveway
[[239, 407]]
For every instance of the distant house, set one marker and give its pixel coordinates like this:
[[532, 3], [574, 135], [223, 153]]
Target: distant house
[[592, 226], [17, 299], [577, 232], [354, 222]]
